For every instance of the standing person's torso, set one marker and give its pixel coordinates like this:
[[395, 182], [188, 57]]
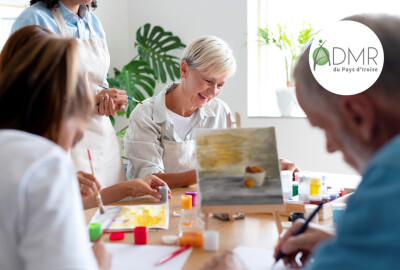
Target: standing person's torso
[[94, 58], [41, 217]]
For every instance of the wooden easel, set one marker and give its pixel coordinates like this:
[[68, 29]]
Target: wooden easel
[[237, 123], [274, 208]]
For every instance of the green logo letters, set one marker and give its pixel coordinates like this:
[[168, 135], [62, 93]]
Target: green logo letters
[[321, 55]]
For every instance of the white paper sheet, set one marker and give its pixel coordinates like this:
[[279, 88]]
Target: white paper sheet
[[143, 257], [258, 258]]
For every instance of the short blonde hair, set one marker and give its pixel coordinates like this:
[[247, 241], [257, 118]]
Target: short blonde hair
[[210, 55]]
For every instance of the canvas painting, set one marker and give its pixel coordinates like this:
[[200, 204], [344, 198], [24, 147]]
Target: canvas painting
[[238, 167]]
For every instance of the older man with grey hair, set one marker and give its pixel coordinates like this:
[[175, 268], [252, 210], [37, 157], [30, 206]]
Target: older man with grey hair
[[365, 127]]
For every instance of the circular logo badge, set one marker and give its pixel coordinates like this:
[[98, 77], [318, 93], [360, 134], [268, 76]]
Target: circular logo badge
[[346, 58]]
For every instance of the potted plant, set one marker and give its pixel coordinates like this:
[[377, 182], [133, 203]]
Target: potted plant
[[154, 63], [292, 46]]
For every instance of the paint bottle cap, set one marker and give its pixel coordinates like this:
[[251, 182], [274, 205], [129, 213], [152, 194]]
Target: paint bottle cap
[[194, 197], [140, 235], [94, 231], [295, 215], [164, 193], [186, 201], [169, 239], [116, 236]]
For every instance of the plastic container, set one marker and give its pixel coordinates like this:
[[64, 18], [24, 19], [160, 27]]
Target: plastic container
[[315, 184], [304, 187], [295, 189], [211, 241], [191, 228], [337, 211], [286, 180]]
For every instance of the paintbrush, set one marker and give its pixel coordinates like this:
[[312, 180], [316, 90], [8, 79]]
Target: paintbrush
[[98, 196], [130, 98], [302, 229]]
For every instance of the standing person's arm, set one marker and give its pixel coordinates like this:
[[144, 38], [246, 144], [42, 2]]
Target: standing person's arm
[[179, 179]]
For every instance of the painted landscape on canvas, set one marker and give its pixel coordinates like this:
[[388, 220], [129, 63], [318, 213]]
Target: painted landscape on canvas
[[238, 167]]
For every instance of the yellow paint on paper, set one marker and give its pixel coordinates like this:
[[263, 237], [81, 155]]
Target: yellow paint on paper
[[141, 215]]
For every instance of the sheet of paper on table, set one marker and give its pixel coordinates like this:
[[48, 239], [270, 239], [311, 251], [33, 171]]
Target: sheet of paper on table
[[258, 258], [127, 217], [131, 257]]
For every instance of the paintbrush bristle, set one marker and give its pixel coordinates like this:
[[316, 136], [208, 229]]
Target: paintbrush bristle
[[100, 203]]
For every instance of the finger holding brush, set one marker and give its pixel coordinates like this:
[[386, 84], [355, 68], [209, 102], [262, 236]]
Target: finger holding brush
[[98, 196], [88, 184]]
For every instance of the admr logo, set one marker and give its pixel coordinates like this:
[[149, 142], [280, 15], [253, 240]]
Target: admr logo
[[343, 62], [321, 55]]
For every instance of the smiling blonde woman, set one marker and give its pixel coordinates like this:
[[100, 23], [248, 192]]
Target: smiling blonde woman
[[160, 138]]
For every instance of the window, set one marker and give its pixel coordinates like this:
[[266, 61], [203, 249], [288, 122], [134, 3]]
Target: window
[[8, 15], [266, 72]]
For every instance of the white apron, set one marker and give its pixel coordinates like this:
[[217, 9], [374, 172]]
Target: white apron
[[178, 156], [99, 136]]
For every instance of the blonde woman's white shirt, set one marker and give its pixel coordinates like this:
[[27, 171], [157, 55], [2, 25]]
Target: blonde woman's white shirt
[[182, 125], [142, 140], [41, 216]]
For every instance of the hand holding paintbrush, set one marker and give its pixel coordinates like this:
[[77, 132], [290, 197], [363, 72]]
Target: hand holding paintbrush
[[98, 196], [301, 238]]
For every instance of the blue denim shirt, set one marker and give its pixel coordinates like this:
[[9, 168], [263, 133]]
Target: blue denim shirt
[[39, 14], [368, 233]]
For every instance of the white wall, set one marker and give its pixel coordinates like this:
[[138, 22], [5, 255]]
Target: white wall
[[226, 19]]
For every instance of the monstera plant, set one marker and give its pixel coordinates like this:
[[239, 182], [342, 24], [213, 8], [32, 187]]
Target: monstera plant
[[154, 63]]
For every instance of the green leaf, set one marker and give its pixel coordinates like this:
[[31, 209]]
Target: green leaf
[[113, 83], [130, 107], [120, 113], [155, 46], [136, 78], [122, 132], [112, 120], [116, 72]]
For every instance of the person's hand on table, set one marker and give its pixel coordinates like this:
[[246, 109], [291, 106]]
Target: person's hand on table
[[304, 243], [88, 184], [147, 186], [103, 257], [225, 261], [287, 165]]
